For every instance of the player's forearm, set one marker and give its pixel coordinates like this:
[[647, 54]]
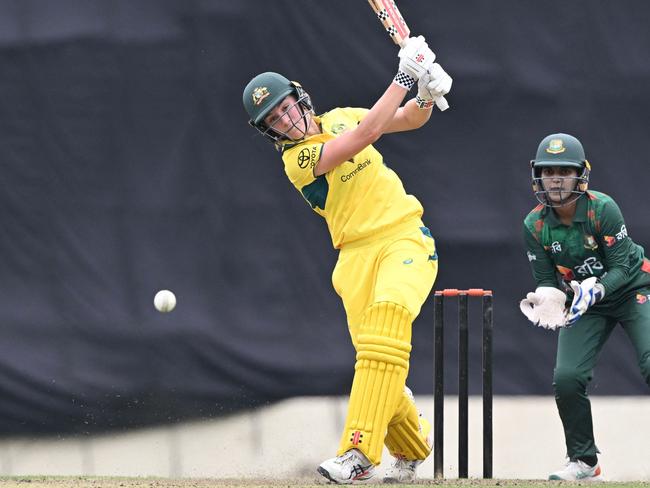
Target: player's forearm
[[415, 116], [615, 278], [373, 125], [380, 116]]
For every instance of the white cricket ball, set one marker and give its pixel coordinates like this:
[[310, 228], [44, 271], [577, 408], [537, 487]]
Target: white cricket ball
[[164, 301]]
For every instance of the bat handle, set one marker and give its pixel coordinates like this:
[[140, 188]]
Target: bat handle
[[441, 103]]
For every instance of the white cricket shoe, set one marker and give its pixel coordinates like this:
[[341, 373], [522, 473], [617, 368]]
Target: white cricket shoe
[[348, 468], [578, 471], [401, 471]]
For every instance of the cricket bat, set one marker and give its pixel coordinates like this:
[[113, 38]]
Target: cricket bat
[[390, 16]]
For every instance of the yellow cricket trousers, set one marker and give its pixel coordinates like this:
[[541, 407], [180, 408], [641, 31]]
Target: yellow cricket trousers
[[383, 282]]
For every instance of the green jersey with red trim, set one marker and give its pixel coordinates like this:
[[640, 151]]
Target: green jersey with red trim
[[595, 244]]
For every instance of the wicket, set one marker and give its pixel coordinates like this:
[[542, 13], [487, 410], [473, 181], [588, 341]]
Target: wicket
[[463, 361]]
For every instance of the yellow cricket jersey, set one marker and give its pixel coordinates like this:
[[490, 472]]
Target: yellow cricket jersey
[[357, 198]]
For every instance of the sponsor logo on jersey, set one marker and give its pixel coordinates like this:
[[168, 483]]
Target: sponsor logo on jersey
[[588, 267], [339, 128], [408, 261], [620, 235], [555, 146], [303, 158], [260, 94], [531, 256], [353, 173], [307, 157], [555, 247]]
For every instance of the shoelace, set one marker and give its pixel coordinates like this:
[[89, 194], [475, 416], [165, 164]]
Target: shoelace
[[401, 463], [345, 457], [357, 464]]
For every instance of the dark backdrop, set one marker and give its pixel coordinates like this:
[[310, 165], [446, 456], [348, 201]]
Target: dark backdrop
[[127, 166]]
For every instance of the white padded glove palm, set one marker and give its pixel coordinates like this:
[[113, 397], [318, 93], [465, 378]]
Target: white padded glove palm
[[433, 86], [545, 307]]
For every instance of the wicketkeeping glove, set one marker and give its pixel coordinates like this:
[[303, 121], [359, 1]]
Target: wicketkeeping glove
[[414, 58], [545, 307], [433, 86], [586, 293]]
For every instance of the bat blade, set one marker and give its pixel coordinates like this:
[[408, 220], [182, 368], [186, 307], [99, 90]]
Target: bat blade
[[390, 16]]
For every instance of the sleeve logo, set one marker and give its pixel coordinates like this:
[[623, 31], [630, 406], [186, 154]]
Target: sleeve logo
[[303, 158], [620, 235], [307, 157]]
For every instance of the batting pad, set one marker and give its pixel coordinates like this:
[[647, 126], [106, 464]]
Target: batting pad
[[383, 351], [408, 432]]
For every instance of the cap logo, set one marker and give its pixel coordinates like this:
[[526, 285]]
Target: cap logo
[[556, 146], [259, 94]]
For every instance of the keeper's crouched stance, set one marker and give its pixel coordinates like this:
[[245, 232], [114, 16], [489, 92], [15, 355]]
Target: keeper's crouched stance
[[582, 257], [387, 261]]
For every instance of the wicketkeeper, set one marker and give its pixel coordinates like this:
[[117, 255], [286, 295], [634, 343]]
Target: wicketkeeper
[[387, 262], [590, 277]]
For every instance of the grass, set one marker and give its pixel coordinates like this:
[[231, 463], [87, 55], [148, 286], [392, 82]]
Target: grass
[[118, 482]]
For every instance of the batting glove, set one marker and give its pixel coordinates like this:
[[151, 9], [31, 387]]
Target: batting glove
[[414, 58], [545, 307], [585, 294], [432, 86]]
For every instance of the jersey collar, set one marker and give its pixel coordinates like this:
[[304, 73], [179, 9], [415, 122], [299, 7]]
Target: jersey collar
[[580, 215]]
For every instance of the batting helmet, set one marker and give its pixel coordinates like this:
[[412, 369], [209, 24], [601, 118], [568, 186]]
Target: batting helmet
[[264, 92]]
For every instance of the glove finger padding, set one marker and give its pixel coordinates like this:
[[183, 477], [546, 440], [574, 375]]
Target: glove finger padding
[[532, 297], [413, 44], [545, 307], [415, 57], [527, 308], [423, 91], [440, 83]]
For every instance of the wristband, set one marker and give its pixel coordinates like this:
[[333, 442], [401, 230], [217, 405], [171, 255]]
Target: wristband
[[404, 80], [424, 103]]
